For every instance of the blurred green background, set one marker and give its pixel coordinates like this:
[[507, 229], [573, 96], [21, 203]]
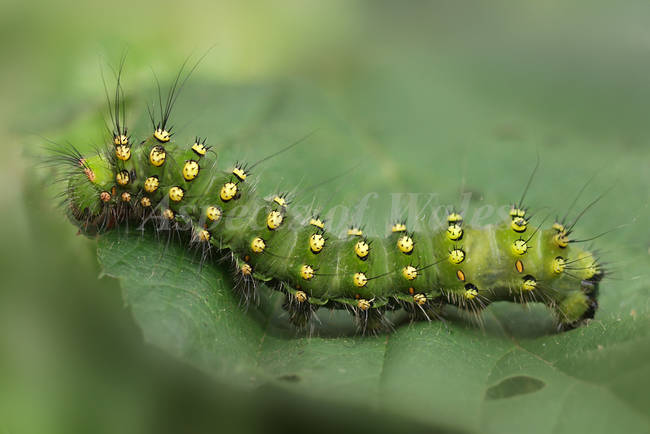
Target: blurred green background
[[425, 95]]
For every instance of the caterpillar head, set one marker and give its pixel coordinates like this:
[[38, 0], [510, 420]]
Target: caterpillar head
[[91, 188]]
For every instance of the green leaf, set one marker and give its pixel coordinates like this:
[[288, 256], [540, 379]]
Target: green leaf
[[514, 375]]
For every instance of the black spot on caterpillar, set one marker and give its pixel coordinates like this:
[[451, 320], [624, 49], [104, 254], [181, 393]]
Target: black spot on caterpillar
[[178, 186]]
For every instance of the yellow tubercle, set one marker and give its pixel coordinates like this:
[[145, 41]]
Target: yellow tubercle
[[204, 235], [519, 247], [191, 170], [151, 184], [517, 212], [409, 272], [213, 213], [559, 227], [306, 272], [316, 243], [239, 173], [454, 218], [317, 222], [405, 244], [176, 194], [558, 265], [456, 256], [246, 269], [120, 139], [258, 245], [363, 304], [454, 232], [561, 239], [280, 200], [162, 135], [359, 280], [228, 191], [361, 249], [519, 224], [274, 220], [199, 148], [123, 152], [122, 178], [356, 232], [470, 292], [528, 284], [157, 156]]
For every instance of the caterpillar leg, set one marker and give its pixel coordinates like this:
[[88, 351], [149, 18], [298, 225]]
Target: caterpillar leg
[[245, 283], [299, 309], [370, 320], [422, 309], [576, 308]]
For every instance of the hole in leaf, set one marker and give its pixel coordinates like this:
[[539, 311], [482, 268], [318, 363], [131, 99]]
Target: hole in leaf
[[519, 385], [290, 378]]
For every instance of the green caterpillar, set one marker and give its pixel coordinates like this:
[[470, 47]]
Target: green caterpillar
[[176, 186]]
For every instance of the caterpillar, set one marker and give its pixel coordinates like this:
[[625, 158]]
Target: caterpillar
[[180, 187]]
